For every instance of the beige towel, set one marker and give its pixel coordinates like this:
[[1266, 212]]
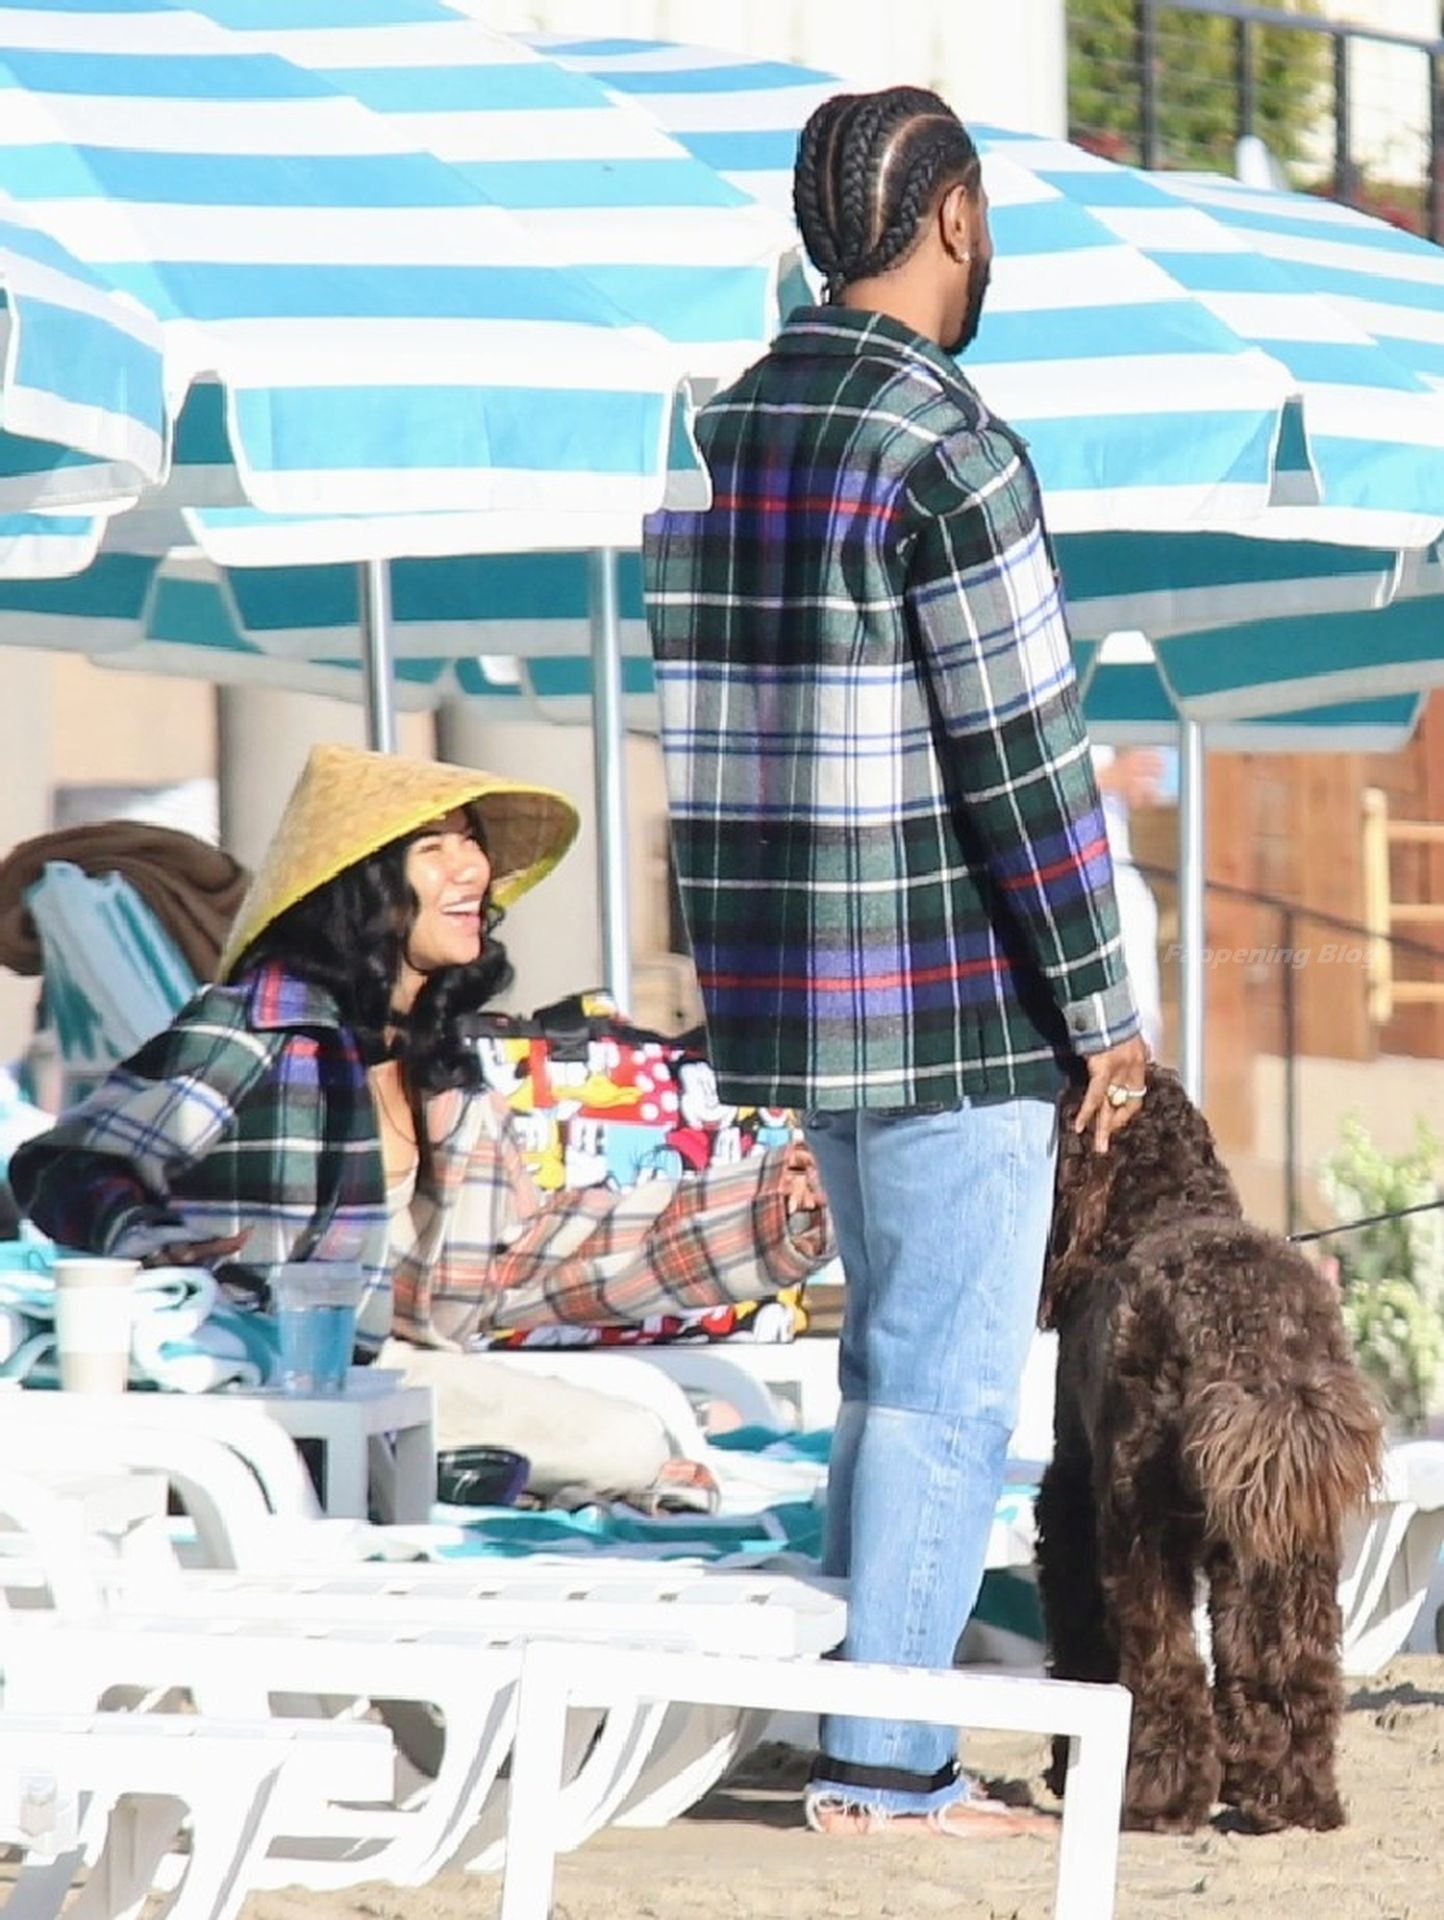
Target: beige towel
[[573, 1436]]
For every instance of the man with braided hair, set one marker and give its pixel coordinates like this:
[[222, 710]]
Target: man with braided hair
[[895, 873]]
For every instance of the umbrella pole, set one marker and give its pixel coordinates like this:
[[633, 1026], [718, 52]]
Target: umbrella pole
[[374, 597], [1192, 929], [609, 755]]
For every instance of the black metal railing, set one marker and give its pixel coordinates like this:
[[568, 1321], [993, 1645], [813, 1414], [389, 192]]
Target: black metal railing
[[1291, 919], [1169, 93]]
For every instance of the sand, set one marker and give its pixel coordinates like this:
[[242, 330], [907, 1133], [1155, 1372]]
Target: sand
[[744, 1855]]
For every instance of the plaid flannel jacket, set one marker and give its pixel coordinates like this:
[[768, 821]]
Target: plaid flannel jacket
[[252, 1113], [888, 836]]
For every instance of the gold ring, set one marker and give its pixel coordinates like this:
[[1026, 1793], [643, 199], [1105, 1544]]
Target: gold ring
[[1120, 1096]]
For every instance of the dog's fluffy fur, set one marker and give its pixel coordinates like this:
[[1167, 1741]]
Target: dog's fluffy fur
[[1210, 1420]]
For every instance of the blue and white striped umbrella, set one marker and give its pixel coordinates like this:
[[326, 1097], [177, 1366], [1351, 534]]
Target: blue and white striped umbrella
[[191, 636], [1168, 583], [447, 609], [191, 632], [1120, 298], [240, 629], [1147, 402], [363, 327], [1088, 342], [740, 119], [1130, 701], [1354, 308], [1379, 631], [599, 184], [82, 397]]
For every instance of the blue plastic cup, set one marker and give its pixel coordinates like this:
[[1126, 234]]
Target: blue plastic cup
[[315, 1303]]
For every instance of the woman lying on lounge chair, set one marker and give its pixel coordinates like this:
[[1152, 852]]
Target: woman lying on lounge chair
[[324, 1102]]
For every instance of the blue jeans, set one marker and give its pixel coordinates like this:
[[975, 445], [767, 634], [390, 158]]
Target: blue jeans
[[942, 1224]]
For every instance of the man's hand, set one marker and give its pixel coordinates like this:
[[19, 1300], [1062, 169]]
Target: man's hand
[[1123, 1066]]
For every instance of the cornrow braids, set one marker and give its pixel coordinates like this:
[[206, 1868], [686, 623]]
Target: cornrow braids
[[869, 167], [813, 198]]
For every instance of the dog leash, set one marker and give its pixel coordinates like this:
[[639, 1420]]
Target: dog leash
[[1369, 1220]]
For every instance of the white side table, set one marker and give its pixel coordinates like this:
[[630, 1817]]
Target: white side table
[[375, 1404]]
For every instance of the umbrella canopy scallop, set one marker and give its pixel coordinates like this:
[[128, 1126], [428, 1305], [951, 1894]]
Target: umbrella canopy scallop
[[190, 619], [353, 324], [82, 394]]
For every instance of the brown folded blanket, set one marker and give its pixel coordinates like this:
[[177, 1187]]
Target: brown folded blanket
[[192, 888]]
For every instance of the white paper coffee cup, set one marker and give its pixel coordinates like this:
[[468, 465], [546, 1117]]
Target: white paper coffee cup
[[94, 1310]]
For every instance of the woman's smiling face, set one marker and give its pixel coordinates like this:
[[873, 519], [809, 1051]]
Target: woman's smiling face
[[448, 873]]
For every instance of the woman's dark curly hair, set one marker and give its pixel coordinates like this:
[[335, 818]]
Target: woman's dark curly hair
[[870, 166], [350, 937]]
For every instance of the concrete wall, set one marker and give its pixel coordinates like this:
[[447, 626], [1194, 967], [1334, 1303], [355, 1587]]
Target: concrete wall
[[552, 935], [1390, 1094], [263, 737], [26, 731], [64, 722]]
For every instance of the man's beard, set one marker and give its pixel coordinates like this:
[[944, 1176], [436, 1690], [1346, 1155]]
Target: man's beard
[[973, 315]]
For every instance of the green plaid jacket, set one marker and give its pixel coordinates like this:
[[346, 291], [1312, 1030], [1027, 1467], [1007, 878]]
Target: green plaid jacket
[[889, 841], [251, 1113]]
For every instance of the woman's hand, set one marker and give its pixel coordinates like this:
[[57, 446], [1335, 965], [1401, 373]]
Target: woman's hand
[[196, 1253], [802, 1190], [801, 1186]]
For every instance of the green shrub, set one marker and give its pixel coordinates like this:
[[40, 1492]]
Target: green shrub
[[1392, 1273], [1197, 87]]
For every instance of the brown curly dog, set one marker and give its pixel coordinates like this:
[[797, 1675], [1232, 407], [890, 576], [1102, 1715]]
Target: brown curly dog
[[1210, 1421]]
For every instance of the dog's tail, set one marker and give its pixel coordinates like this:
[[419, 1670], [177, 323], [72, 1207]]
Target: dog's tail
[[1281, 1465]]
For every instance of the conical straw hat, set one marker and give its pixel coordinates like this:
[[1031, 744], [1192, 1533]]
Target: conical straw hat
[[348, 803]]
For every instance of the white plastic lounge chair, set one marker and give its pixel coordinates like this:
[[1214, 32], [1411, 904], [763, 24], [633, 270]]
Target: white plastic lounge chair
[[630, 1375], [1391, 1557], [690, 1748], [788, 1384], [225, 1499], [1391, 1554], [49, 1545], [218, 1618], [661, 1767], [252, 1669], [1095, 1718], [113, 975], [784, 1384], [259, 1427], [238, 1647], [115, 1789], [759, 1614], [643, 1769]]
